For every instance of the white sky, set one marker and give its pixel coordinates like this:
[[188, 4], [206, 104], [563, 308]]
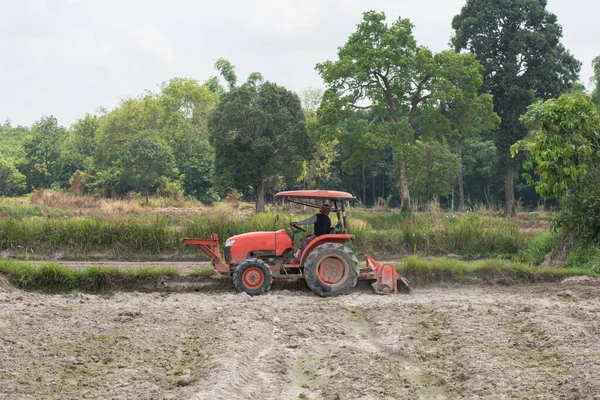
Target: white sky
[[70, 57]]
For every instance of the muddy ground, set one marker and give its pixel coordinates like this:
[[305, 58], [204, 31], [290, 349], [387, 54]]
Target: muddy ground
[[525, 342]]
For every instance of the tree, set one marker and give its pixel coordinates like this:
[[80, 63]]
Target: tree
[[479, 166], [12, 182], [185, 106], [227, 71], [518, 43], [376, 70], [147, 159], [456, 111], [319, 168], [80, 144], [433, 170], [43, 152], [596, 80], [258, 133], [565, 153]]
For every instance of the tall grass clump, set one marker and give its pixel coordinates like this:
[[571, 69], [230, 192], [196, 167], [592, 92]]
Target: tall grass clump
[[120, 235], [539, 246], [475, 236], [390, 235], [584, 257], [57, 278], [420, 271]]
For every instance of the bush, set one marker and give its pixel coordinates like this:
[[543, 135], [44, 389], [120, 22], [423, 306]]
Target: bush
[[539, 246], [210, 197], [584, 257]]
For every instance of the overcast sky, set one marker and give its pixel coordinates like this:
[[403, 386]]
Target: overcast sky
[[69, 57]]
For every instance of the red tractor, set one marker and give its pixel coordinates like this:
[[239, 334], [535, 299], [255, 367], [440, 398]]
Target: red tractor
[[253, 260]]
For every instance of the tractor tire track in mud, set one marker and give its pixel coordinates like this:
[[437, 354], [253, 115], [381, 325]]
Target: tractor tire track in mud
[[530, 341]]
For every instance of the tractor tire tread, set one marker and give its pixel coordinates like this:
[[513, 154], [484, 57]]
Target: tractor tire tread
[[255, 262], [310, 267]]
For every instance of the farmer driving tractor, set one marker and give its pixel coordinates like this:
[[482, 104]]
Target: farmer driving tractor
[[322, 226]]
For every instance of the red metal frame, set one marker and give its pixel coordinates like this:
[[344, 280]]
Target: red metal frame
[[211, 248]]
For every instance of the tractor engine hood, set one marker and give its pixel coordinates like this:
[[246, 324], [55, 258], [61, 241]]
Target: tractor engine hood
[[240, 247]]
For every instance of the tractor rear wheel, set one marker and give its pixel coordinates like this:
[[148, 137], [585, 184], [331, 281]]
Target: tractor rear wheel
[[331, 269], [252, 276]]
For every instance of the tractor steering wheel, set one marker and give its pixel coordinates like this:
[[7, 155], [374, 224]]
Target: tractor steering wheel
[[297, 229]]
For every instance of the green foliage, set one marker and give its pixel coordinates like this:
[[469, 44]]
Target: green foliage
[[596, 80], [566, 153], [227, 70], [258, 133], [479, 166], [518, 43], [410, 93], [147, 158], [584, 257], [43, 152], [57, 278], [385, 235], [11, 142], [539, 246], [12, 181], [419, 272], [376, 67], [80, 145], [433, 170]]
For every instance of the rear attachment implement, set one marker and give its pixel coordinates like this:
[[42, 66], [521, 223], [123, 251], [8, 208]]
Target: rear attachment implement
[[385, 275]]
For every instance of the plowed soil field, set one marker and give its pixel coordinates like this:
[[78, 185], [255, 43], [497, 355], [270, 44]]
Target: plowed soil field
[[467, 342]]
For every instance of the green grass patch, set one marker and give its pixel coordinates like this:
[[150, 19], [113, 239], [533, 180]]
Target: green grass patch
[[57, 278], [538, 247], [584, 257], [422, 272]]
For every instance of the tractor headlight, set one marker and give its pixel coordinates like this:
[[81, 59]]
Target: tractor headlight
[[229, 242]]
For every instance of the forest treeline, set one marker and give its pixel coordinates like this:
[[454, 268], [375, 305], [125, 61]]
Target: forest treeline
[[394, 122]]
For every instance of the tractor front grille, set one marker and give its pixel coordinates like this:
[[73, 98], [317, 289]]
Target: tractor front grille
[[227, 253]]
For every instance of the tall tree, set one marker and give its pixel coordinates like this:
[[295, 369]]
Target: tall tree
[[376, 70], [147, 158], [185, 106], [518, 43], [12, 182], [457, 110], [42, 150], [258, 133], [596, 80], [319, 168]]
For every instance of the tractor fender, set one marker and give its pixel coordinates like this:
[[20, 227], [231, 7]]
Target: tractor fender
[[319, 240]]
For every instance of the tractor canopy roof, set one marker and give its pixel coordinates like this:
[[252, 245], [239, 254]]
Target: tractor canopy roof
[[315, 195]]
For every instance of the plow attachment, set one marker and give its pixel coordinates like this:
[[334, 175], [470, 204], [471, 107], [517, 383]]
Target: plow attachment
[[386, 277]]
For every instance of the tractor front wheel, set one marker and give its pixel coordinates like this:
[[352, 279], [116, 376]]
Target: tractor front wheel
[[252, 276], [331, 269]]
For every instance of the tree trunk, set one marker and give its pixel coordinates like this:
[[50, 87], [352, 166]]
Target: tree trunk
[[509, 190], [364, 185], [461, 189], [403, 184], [259, 197], [373, 187]]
